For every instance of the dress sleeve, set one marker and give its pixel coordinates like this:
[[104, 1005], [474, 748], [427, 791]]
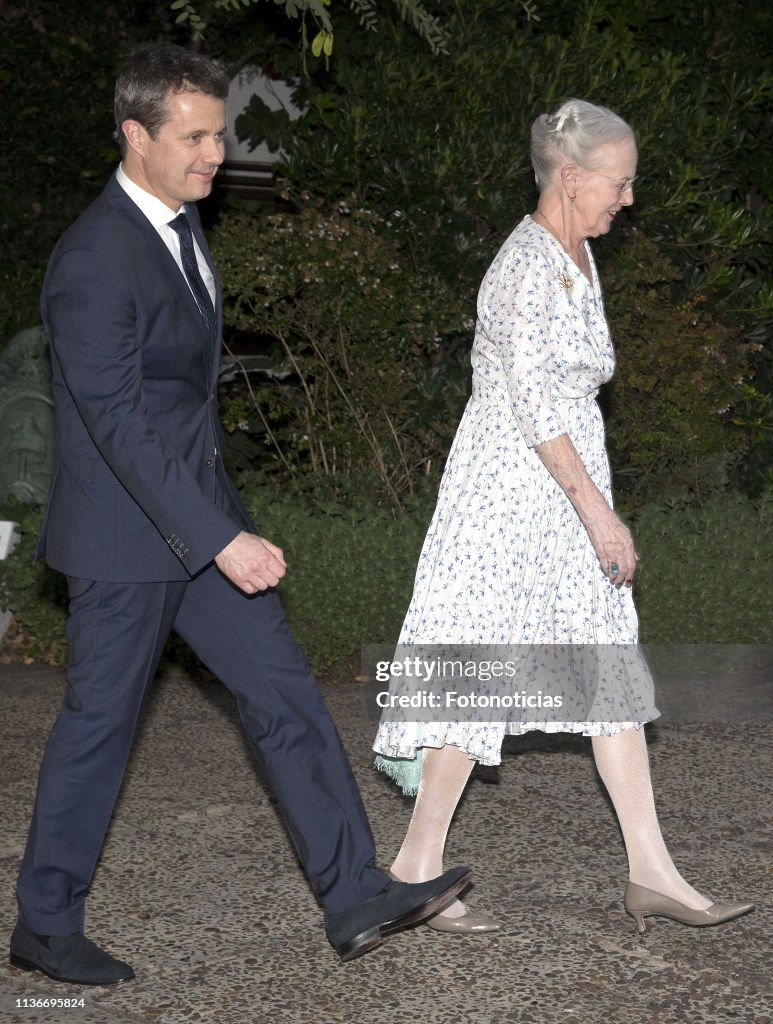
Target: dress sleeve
[[515, 308]]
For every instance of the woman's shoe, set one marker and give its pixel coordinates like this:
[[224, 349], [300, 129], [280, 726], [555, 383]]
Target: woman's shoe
[[467, 924], [640, 903]]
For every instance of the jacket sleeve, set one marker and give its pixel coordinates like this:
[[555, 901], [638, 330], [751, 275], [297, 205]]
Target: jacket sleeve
[[92, 319]]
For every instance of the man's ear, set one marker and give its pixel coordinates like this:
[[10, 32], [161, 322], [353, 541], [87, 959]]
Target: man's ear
[[136, 136]]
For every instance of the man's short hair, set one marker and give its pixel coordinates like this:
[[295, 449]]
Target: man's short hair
[[155, 72]]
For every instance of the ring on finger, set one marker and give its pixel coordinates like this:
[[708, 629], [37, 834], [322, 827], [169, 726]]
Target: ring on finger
[[614, 568]]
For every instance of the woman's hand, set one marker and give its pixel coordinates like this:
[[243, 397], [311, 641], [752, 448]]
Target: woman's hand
[[613, 543], [610, 537]]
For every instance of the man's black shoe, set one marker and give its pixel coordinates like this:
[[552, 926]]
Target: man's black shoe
[[399, 905], [72, 958]]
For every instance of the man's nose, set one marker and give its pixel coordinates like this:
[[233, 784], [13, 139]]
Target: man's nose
[[215, 151]]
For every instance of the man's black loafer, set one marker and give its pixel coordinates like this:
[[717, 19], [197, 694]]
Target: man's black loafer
[[72, 958], [399, 905]]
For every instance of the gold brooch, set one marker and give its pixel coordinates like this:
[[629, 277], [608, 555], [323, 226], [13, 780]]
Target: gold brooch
[[566, 281]]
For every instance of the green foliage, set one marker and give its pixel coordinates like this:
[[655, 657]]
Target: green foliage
[[196, 18], [447, 140], [351, 566], [35, 594], [364, 349], [703, 570], [414, 12], [753, 413], [440, 147], [351, 563], [679, 370], [57, 68]]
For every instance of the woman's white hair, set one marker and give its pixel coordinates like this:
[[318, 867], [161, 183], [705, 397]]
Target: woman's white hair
[[572, 135]]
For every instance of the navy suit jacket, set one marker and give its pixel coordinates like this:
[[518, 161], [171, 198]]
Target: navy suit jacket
[[139, 492]]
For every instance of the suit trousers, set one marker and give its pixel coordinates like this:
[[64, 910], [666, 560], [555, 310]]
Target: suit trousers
[[117, 633]]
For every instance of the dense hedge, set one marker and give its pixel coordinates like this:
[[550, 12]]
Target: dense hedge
[[356, 340], [405, 173], [351, 568], [351, 565], [703, 570], [438, 147], [370, 359]]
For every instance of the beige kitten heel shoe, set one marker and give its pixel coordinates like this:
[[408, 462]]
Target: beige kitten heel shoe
[[467, 924], [640, 903]]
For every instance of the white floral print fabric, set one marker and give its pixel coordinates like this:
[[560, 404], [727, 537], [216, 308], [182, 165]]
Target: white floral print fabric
[[506, 559]]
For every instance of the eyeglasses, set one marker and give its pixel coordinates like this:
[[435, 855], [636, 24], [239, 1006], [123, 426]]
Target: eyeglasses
[[622, 186]]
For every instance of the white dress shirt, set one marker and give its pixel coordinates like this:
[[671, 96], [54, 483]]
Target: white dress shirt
[[159, 215]]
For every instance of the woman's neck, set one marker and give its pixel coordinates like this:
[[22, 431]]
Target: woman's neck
[[554, 219]]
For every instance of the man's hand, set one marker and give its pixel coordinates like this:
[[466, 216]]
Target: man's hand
[[251, 563]]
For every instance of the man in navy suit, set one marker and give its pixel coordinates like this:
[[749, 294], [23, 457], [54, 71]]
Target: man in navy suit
[[152, 536]]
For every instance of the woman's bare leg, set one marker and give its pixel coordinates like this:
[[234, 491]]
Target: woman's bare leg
[[623, 764], [444, 774]]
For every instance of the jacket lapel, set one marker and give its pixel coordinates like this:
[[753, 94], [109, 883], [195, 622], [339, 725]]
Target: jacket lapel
[[159, 253]]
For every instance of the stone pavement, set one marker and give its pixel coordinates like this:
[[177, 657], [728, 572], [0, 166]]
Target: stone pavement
[[199, 890]]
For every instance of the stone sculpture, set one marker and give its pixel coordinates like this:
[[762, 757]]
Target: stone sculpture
[[26, 417]]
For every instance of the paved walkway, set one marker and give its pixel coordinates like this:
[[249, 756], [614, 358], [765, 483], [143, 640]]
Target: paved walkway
[[198, 889]]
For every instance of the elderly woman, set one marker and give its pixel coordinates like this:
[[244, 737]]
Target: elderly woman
[[524, 547]]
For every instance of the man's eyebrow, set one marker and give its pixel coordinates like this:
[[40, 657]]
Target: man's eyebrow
[[185, 132]]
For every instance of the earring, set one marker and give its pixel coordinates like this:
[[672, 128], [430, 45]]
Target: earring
[[571, 204]]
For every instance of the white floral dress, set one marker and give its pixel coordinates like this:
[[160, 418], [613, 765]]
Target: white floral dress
[[506, 559]]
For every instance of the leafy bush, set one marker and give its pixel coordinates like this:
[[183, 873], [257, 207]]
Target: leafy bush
[[439, 146], [679, 371], [446, 140], [362, 345], [363, 380]]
